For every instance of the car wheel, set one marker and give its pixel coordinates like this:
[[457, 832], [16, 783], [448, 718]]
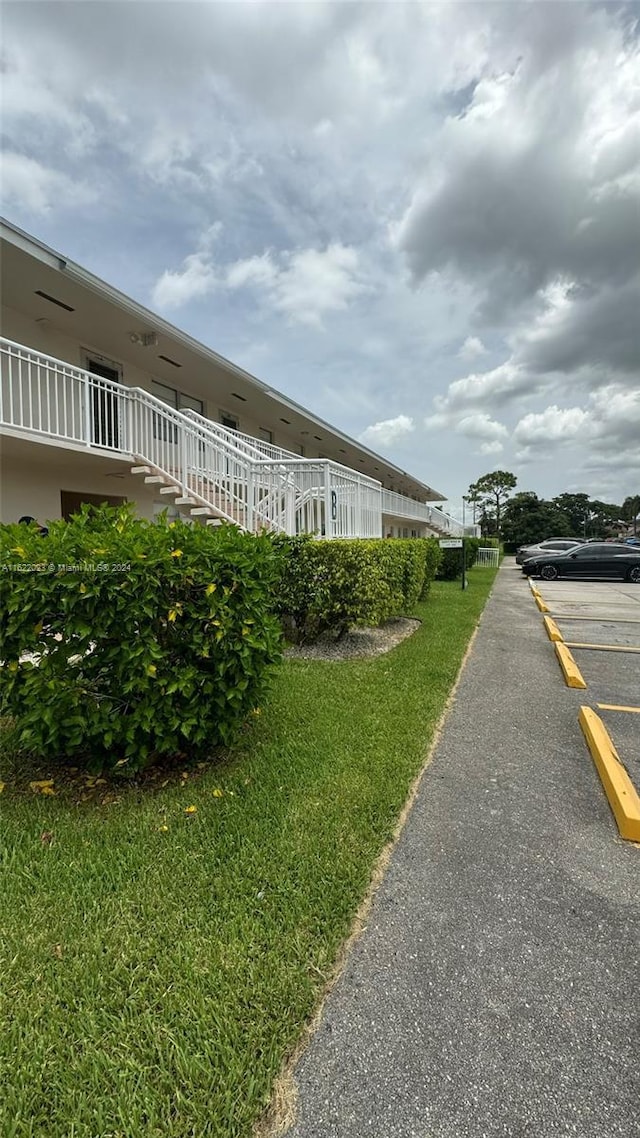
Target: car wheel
[[634, 574], [548, 572]]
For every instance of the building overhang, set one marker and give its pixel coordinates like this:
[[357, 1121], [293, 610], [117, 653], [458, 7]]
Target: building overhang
[[50, 288]]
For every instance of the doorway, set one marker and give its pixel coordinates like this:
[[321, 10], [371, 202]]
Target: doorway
[[106, 427]]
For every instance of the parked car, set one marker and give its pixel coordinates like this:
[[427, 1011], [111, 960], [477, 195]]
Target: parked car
[[551, 545], [599, 559]]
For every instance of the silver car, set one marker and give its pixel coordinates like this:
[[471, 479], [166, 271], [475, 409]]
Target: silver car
[[552, 545]]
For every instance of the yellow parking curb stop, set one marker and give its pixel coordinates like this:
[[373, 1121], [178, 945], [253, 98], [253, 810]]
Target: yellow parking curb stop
[[553, 632], [621, 793], [539, 601], [572, 674]]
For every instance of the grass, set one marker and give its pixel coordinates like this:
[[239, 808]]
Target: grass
[[159, 964]]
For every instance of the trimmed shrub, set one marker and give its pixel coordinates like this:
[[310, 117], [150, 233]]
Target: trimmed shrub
[[433, 559], [125, 640], [451, 564], [328, 587]]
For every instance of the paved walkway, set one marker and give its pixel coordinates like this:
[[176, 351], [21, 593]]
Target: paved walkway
[[495, 989]]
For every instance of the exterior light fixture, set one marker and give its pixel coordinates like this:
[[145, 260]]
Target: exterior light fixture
[[144, 339]]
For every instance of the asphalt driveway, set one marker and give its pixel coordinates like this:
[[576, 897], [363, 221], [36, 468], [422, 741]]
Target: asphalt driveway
[[495, 988]]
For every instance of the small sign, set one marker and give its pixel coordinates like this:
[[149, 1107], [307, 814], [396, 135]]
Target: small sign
[[450, 543]]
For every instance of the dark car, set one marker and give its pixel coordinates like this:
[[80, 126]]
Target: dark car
[[600, 559], [551, 545]]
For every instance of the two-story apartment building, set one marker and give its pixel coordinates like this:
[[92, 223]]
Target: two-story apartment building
[[102, 400]]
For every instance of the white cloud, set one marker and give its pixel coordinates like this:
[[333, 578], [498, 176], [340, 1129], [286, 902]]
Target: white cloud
[[607, 426], [306, 284], [481, 426], [28, 184], [472, 349], [491, 448], [253, 270], [387, 432], [552, 425], [494, 388], [315, 282], [175, 289], [197, 277]]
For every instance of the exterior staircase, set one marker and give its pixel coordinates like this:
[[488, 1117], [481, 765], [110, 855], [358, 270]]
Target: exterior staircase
[[209, 472]]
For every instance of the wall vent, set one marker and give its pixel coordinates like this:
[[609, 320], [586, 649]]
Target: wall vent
[[54, 300]]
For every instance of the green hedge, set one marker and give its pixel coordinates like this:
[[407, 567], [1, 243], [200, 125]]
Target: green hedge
[[151, 638], [328, 587], [451, 564]]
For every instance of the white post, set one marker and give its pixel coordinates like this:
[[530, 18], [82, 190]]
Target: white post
[[87, 411], [327, 500]]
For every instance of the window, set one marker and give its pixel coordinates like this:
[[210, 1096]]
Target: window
[[168, 395], [161, 429], [179, 401], [190, 403], [229, 421], [265, 435]]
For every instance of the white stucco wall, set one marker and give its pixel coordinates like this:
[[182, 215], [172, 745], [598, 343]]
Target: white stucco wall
[[31, 483], [45, 337]]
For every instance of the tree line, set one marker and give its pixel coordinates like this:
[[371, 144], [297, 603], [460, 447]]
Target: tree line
[[523, 518]]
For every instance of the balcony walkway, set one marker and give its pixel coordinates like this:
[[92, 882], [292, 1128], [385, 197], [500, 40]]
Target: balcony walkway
[[214, 473]]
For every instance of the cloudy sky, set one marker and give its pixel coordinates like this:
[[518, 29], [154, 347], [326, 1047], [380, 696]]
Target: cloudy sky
[[420, 221]]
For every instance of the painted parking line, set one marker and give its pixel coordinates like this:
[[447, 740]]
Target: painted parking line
[[603, 647], [618, 707], [605, 620], [621, 793]]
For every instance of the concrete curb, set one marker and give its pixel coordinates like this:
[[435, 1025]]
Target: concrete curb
[[619, 789], [572, 675]]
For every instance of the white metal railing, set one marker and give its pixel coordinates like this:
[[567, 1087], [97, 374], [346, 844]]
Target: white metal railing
[[303, 495], [488, 555], [51, 398], [319, 497], [399, 506]]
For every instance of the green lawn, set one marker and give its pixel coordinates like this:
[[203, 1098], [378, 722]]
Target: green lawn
[[159, 965]]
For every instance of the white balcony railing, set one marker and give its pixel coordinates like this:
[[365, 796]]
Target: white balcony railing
[[218, 471], [399, 506]]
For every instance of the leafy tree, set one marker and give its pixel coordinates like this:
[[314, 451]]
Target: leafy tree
[[494, 489], [586, 516], [527, 519], [630, 509], [605, 516], [576, 508]]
